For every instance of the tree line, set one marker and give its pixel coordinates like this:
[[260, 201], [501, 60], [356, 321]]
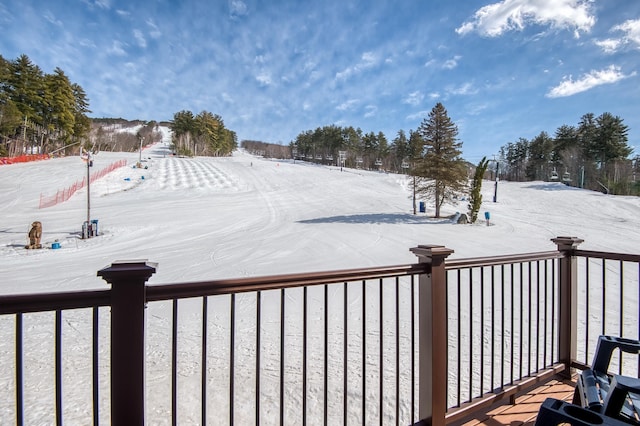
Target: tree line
[[430, 154], [46, 113], [113, 134], [594, 154], [39, 112], [265, 149], [201, 134]]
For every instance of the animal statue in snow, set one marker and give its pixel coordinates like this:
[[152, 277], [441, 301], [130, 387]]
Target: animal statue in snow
[[34, 236]]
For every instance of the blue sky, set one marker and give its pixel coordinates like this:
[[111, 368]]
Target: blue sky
[[273, 69]]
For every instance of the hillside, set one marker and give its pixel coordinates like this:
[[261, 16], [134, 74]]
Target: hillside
[[203, 218]]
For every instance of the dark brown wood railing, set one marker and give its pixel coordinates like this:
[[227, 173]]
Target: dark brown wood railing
[[436, 340]]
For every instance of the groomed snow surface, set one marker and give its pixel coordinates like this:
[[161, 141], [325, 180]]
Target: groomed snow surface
[[208, 218]]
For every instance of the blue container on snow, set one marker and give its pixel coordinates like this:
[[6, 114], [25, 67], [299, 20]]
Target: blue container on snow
[[55, 245], [423, 207]]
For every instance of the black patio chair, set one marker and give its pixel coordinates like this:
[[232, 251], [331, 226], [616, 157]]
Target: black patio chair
[[612, 395]]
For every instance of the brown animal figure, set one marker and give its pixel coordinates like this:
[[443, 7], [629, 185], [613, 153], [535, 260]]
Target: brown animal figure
[[34, 236]]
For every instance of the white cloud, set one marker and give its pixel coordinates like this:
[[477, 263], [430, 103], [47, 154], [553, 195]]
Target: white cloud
[[102, 4], [631, 30], [117, 48], [414, 98], [238, 8], [417, 116], [367, 60], [52, 19], [155, 31], [140, 38], [609, 45], [465, 89], [84, 42], [371, 111], [227, 98], [588, 81], [451, 63], [264, 79], [429, 63], [495, 19], [348, 105]]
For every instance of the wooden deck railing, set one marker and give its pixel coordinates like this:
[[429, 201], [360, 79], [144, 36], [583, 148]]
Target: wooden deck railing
[[431, 342]]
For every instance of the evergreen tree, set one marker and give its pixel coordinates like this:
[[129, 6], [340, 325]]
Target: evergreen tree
[[26, 88], [540, 164], [82, 123], [183, 127], [441, 170], [611, 139], [475, 198], [60, 104], [400, 148]]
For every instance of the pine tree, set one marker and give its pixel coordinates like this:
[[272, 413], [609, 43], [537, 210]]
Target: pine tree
[[475, 198], [441, 170]]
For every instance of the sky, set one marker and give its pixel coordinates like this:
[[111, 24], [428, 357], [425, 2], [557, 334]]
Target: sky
[[503, 70], [206, 218]]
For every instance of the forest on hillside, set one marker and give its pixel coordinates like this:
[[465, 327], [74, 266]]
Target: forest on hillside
[[40, 113], [44, 113], [594, 154]]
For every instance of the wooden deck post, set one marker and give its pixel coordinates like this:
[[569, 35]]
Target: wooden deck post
[[433, 335], [128, 280], [568, 306]]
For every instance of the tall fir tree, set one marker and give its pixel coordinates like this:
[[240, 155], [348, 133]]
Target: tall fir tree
[[441, 171]]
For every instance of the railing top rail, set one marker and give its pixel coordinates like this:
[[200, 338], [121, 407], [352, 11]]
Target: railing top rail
[[626, 257], [43, 302], [454, 264], [274, 282]]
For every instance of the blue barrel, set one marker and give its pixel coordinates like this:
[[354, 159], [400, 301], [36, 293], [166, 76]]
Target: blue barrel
[[423, 207]]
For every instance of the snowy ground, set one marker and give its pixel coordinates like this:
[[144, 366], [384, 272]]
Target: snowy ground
[[207, 218], [204, 218]]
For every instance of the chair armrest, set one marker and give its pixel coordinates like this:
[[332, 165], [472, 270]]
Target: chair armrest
[[605, 348], [616, 401], [556, 412], [588, 390]]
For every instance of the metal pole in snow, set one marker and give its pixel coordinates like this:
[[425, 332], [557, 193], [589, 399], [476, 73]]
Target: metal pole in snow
[[88, 193], [495, 192]]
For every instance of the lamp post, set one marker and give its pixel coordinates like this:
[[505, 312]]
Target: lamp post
[[86, 157], [495, 192], [140, 155]]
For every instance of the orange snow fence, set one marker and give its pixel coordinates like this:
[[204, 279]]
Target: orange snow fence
[[23, 158], [64, 194]]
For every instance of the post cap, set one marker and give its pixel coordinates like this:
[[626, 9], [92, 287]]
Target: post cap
[[567, 243], [132, 269], [431, 250]]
